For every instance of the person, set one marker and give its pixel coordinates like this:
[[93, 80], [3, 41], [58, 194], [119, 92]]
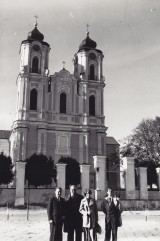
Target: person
[[73, 218], [56, 212], [112, 208], [88, 209]]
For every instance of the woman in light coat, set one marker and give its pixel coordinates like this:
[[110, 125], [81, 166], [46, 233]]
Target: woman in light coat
[[88, 208]]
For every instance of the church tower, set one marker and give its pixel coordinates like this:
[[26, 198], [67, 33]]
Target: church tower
[[88, 62], [32, 85]]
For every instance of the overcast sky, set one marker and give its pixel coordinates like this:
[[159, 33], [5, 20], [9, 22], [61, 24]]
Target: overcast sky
[[128, 33]]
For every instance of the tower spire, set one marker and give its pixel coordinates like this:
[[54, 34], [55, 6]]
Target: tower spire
[[36, 17], [64, 64], [87, 25]]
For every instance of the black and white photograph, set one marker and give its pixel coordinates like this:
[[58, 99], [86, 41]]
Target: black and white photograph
[[80, 120]]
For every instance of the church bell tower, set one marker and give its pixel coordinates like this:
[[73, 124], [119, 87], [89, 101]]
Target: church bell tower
[[32, 85], [88, 62]]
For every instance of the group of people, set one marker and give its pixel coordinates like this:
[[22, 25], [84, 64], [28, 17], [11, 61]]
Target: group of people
[[79, 214]]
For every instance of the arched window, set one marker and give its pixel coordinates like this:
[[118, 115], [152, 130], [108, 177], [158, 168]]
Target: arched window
[[33, 99], [92, 74], [35, 62], [63, 102], [92, 105]]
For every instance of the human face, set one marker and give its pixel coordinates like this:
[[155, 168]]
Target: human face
[[109, 192], [72, 191], [88, 195], [58, 193]]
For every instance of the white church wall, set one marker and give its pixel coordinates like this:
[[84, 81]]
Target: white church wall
[[4, 146]]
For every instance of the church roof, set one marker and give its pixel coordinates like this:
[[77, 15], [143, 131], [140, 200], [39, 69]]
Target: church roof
[[4, 134], [62, 73], [88, 44], [35, 35], [111, 141]]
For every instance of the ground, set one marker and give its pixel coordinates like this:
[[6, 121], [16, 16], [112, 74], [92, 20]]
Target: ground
[[136, 227]]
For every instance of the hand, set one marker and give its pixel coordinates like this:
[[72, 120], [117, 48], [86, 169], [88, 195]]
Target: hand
[[88, 212], [50, 221], [116, 201]]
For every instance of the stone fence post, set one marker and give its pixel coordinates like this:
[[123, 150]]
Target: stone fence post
[[158, 177], [20, 179], [100, 169], [143, 183], [85, 170], [129, 167], [61, 176]]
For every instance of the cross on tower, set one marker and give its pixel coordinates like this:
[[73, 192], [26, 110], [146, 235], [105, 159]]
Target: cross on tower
[[36, 17], [87, 28], [64, 64]]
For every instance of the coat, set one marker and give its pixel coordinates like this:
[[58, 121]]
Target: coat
[[89, 212], [112, 211], [56, 211], [73, 218]]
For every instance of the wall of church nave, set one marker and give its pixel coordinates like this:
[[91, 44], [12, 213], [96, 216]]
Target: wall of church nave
[[75, 147], [51, 145], [7, 195], [4, 146], [111, 149], [32, 141]]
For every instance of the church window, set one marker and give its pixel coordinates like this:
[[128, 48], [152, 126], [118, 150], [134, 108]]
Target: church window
[[63, 102], [33, 99], [92, 105], [78, 87], [36, 48], [92, 56], [49, 85], [92, 72], [35, 62]]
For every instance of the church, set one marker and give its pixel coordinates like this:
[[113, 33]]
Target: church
[[60, 114]]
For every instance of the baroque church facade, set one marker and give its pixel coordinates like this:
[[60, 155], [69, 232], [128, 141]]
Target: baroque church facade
[[60, 114]]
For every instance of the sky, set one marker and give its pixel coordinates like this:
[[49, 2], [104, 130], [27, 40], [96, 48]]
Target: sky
[[128, 33]]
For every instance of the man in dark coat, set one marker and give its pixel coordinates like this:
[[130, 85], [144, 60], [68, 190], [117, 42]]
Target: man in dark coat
[[112, 208], [73, 219], [56, 210]]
